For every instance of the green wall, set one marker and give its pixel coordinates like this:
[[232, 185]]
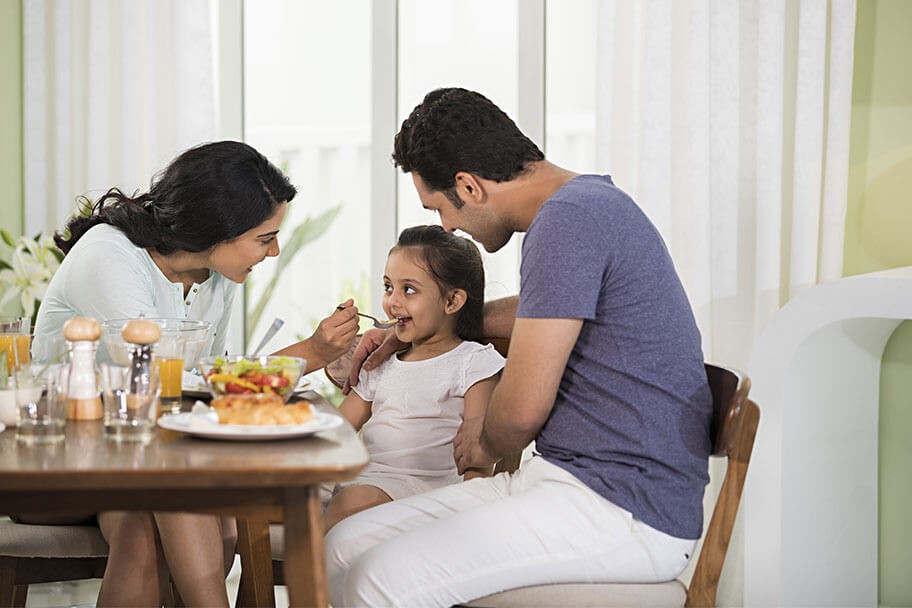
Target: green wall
[[11, 203], [878, 237]]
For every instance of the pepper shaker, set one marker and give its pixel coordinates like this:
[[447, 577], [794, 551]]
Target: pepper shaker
[[140, 336]]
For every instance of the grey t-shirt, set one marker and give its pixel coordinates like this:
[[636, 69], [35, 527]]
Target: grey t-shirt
[[632, 414]]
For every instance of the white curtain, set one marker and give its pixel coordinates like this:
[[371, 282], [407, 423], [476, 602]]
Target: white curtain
[[113, 91], [728, 122]]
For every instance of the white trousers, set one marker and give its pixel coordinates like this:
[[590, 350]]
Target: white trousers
[[540, 525]]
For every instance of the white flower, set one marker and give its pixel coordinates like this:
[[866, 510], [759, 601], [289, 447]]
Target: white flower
[[31, 267]]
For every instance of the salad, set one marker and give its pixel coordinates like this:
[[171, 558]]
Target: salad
[[240, 376]]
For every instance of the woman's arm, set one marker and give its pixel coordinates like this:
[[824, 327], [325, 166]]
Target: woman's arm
[[476, 402], [331, 340]]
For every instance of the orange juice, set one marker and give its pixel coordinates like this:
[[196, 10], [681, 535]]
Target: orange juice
[[22, 343], [170, 371]]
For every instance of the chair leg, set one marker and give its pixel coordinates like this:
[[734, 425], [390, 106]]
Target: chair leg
[[20, 595], [11, 594], [256, 587]]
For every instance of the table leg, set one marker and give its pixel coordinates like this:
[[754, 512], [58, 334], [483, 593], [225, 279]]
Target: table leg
[[305, 567]]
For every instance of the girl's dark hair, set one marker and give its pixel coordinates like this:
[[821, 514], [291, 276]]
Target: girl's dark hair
[[455, 263], [209, 194]]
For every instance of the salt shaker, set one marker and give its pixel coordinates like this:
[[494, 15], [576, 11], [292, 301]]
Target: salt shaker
[[140, 335], [83, 397]]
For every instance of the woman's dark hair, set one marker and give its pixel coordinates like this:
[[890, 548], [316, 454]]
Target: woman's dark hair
[[209, 194], [455, 130], [455, 263]]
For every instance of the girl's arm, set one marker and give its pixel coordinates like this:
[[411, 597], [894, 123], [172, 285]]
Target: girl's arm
[[476, 402], [355, 409]]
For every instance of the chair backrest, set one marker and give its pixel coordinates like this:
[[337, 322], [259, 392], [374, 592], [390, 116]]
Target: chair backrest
[[734, 426]]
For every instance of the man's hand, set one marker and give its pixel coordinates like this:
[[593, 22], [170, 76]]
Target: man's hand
[[375, 347], [468, 447]]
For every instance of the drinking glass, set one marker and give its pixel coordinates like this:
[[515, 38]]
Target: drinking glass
[[40, 402], [130, 412], [168, 359], [15, 341]]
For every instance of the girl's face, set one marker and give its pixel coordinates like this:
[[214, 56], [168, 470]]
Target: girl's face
[[411, 296], [236, 258]]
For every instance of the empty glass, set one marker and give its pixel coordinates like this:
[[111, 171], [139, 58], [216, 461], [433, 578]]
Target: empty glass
[[130, 412], [40, 402]]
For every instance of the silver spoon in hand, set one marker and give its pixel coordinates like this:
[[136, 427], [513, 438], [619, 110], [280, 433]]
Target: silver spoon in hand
[[377, 322]]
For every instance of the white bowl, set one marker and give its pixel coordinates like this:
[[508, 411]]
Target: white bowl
[[9, 412]]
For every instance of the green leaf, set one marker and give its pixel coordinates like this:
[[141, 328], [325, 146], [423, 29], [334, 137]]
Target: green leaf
[[305, 232], [8, 238], [4, 265]]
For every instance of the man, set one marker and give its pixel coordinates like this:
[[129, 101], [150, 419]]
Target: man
[[604, 372]]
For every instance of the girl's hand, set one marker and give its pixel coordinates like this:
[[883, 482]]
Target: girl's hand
[[375, 347]]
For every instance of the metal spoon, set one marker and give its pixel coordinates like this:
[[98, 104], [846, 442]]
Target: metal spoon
[[377, 323], [276, 325]]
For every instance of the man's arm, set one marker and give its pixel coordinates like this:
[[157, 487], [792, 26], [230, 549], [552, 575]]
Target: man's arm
[[376, 346], [499, 316], [522, 400]]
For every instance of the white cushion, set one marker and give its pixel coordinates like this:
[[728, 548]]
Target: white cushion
[[27, 540], [587, 595]]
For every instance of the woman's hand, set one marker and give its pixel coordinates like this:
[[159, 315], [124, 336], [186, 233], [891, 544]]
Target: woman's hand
[[375, 347], [334, 334]]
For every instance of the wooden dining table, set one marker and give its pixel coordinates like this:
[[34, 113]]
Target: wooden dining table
[[275, 480]]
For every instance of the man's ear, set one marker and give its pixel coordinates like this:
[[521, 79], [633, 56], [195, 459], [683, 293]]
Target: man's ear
[[470, 187], [455, 300]]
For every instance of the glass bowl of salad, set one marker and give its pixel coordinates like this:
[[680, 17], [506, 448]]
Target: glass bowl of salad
[[252, 375]]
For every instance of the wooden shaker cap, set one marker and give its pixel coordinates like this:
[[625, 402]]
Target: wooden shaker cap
[[81, 329], [140, 331]]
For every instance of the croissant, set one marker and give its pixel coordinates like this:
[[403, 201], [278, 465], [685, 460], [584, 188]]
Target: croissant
[[260, 409]]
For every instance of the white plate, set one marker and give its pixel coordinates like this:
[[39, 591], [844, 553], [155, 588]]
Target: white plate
[[197, 386], [322, 421], [2, 427]]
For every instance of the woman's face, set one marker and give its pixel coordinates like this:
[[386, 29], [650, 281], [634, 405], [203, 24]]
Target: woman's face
[[236, 258]]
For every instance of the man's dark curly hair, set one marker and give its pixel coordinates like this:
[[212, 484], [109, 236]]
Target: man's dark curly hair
[[455, 130]]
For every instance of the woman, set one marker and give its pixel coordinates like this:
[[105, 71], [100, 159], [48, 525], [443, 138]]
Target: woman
[[179, 250]]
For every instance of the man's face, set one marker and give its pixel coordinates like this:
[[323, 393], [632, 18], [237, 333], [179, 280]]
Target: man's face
[[481, 222]]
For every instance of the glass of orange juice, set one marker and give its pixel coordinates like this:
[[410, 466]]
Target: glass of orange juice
[[168, 359], [15, 341]]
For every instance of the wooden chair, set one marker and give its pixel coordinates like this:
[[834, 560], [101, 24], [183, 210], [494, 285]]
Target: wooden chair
[[734, 425], [31, 554]]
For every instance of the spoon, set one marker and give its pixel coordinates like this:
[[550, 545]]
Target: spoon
[[276, 325], [377, 322]]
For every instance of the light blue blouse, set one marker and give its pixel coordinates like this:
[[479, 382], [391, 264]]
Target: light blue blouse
[[105, 276]]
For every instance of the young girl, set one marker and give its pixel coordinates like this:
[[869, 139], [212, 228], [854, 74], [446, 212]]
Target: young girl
[[409, 408]]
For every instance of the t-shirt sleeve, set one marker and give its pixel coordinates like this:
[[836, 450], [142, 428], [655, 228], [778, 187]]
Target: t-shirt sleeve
[[367, 383], [104, 284], [560, 277], [479, 365]]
